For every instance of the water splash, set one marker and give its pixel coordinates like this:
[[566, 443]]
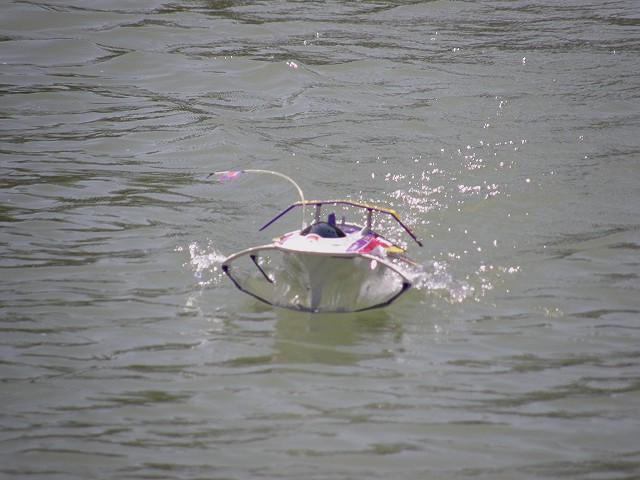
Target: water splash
[[434, 278], [206, 262]]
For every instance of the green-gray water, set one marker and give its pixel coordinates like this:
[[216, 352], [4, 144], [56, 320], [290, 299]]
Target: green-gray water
[[506, 133]]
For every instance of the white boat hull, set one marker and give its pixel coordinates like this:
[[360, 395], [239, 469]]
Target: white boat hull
[[318, 281]]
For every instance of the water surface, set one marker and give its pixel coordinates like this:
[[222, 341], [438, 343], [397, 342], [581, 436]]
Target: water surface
[[504, 133]]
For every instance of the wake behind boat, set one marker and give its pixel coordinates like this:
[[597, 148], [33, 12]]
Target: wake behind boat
[[329, 265]]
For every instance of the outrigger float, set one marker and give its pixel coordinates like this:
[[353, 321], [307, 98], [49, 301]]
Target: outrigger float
[[329, 265]]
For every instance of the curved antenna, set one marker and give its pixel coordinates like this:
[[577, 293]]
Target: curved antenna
[[232, 174]]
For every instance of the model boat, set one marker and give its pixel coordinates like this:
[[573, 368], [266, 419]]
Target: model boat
[[332, 264]]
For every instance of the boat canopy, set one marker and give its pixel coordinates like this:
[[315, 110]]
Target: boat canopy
[[364, 206]]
